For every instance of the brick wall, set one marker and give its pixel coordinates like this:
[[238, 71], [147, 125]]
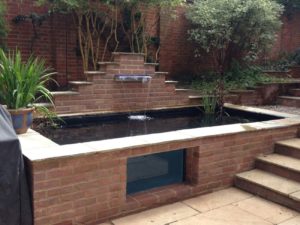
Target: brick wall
[[88, 189], [57, 41]]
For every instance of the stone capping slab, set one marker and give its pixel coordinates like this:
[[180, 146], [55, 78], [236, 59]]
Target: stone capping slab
[[261, 111], [60, 93], [94, 72], [128, 53], [108, 63], [80, 83], [39, 148]]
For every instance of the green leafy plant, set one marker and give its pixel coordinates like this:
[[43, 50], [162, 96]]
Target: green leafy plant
[[209, 103], [23, 84], [227, 29]]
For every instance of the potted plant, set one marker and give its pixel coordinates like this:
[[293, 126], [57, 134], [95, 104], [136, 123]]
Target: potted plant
[[21, 85]]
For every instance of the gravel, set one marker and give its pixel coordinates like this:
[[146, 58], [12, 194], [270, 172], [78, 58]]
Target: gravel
[[280, 108]]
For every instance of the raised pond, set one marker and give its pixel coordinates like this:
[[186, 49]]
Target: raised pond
[[101, 127]]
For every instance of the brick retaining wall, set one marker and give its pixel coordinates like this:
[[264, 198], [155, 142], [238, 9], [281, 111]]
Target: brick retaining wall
[[90, 188]]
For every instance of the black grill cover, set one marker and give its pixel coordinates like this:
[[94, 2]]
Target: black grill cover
[[15, 203]]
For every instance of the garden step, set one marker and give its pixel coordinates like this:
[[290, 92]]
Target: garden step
[[64, 93], [80, 83], [151, 64], [289, 147], [43, 104], [159, 73], [171, 82], [272, 187], [289, 101], [295, 92], [281, 165], [87, 73], [108, 63]]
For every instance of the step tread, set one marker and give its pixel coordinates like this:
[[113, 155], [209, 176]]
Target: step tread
[[270, 181], [55, 93], [293, 143], [80, 82], [282, 161], [171, 82], [43, 104], [289, 97], [183, 89], [94, 72]]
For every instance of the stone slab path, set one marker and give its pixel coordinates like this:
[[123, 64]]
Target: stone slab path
[[227, 207]]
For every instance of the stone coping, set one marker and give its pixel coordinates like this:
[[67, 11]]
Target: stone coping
[[39, 148]]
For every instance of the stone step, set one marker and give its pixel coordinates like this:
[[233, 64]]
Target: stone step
[[281, 165], [272, 187], [289, 147], [159, 73], [64, 93], [289, 101], [92, 73], [171, 82], [80, 83], [44, 104], [295, 92]]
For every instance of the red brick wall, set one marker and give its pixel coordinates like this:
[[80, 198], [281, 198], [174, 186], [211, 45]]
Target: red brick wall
[[57, 41], [88, 189]]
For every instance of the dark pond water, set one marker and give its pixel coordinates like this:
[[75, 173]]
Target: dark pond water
[[93, 128]]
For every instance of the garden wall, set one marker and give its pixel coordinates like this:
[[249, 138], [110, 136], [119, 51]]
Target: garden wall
[[56, 41], [90, 188]]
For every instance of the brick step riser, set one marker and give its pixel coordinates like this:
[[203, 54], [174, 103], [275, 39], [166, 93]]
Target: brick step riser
[[278, 170], [288, 151], [289, 102], [295, 93], [267, 194]]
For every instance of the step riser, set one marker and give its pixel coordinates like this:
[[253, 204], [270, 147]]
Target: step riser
[[289, 102], [267, 194], [295, 93], [288, 151], [278, 170]]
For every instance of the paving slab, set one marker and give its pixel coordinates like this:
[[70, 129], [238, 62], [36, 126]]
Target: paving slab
[[294, 221], [266, 210], [217, 199], [227, 215], [159, 216]]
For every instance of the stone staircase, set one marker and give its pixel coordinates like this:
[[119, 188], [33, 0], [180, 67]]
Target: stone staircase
[[276, 177], [292, 99]]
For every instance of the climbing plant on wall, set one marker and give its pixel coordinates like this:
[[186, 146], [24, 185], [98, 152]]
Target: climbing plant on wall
[[105, 23]]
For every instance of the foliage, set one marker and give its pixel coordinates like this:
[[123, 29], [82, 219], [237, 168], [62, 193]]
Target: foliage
[[23, 84], [3, 28], [209, 102], [107, 23], [284, 61], [227, 28], [237, 78]]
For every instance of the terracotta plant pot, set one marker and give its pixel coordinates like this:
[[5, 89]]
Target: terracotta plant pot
[[22, 119]]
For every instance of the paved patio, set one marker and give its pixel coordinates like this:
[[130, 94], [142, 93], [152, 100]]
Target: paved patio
[[226, 207]]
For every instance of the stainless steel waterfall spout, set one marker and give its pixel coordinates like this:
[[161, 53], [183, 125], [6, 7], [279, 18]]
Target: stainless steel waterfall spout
[[132, 78]]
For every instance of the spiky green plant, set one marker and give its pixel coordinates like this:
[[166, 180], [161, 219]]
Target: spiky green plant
[[23, 83]]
